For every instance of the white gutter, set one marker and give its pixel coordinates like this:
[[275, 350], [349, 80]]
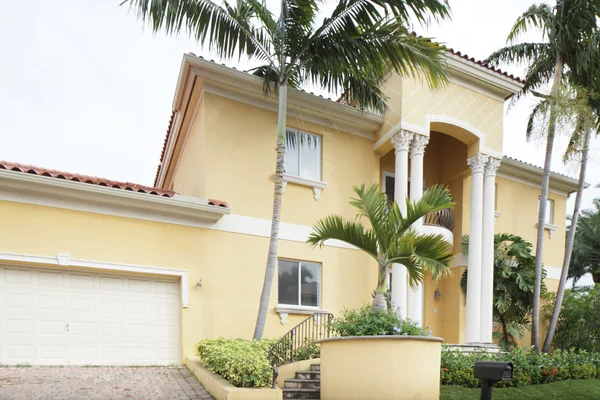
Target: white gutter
[[53, 192]]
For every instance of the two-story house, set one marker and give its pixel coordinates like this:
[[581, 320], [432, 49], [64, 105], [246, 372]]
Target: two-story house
[[101, 272]]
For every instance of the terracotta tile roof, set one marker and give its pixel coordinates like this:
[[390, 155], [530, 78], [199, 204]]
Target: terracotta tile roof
[[164, 148], [218, 203], [478, 62], [92, 180], [485, 65]]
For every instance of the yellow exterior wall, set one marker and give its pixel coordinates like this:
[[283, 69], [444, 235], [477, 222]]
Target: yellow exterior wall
[[412, 101], [190, 175], [230, 265], [380, 368], [241, 171]]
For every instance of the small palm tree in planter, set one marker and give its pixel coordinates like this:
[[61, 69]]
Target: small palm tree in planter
[[390, 237], [372, 340]]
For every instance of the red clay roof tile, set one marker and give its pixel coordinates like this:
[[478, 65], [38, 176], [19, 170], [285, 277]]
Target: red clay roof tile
[[52, 173]]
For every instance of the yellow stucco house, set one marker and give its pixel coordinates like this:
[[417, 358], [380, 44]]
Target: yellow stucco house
[[101, 272]]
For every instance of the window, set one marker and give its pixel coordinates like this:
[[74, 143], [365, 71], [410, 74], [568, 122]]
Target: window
[[549, 219], [299, 283], [388, 185], [302, 155]]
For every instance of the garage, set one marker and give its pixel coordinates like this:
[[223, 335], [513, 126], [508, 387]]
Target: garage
[[57, 317]]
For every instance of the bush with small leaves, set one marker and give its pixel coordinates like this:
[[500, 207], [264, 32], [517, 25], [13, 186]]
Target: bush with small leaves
[[243, 363], [366, 321], [530, 368]]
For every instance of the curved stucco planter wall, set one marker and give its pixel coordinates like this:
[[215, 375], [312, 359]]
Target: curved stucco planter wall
[[380, 368]]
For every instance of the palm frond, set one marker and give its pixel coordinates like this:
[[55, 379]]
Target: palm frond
[[436, 198], [521, 53], [539, 16], [334, 227], [372, 204], [224, 28], [420, 253]]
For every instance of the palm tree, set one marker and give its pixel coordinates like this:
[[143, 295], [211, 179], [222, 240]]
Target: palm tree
[[390, 238], [514, 279], [586, 249], [348, 52], [588, 113], [563, 28]]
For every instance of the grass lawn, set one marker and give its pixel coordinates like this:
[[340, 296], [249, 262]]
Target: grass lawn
[[572, 390]]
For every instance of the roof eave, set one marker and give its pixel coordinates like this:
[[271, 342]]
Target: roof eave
[[52, 192], [504, 86], [533, 173]]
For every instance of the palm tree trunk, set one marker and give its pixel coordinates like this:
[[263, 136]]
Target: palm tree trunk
[[539, 247], [379, 302], [277, 197], [570, 240]]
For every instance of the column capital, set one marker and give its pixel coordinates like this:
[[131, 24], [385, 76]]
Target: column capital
[[477, 163], [492, 166], [402, 139], [418, 144]]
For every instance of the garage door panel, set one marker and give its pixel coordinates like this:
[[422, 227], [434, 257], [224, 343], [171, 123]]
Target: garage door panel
[[59, 317], [17, 277]]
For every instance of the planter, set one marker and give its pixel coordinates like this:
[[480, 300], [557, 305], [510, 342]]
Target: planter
[[380, 367], [220, 389]]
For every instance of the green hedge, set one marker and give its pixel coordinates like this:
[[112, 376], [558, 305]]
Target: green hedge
[[249, 363], [243, 363], [368, 322], [530, 368]]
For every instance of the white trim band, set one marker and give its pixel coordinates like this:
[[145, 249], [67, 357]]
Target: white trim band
[[51, 192], [65, 260]]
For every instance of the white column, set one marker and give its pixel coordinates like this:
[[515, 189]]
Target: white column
[[487, 258], [473, 329], [415, 295], [401, 142]]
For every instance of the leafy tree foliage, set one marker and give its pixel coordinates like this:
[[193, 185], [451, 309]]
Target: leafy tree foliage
[[579, 326], [514, 277], [586, 249]]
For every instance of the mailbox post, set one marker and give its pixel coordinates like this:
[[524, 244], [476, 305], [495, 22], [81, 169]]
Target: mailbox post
[[491, 372]]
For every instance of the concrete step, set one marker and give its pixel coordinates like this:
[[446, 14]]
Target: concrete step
[[301, 394], [302, 383], [308, 375], [315, 367]]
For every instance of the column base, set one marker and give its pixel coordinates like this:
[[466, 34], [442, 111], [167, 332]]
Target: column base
[[474, 347]]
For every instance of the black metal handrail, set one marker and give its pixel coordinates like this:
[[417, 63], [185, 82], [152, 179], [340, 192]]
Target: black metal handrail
[[297, 344], [443, 218]]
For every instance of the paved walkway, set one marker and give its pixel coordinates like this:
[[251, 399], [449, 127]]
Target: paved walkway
[[100, 383]]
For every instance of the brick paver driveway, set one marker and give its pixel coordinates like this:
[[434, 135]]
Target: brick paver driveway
[[101, 383]]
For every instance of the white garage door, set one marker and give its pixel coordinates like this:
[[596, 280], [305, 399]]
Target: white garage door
[[55, 317]]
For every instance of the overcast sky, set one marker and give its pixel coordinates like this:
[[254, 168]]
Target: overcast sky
[[85, 88]]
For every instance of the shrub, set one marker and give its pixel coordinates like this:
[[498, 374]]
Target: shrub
[[530, 368], [368, 322], [243, 363], [575, 328]]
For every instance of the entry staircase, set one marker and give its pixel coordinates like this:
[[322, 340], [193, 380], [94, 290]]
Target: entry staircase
[[297, 345], [306, 385]]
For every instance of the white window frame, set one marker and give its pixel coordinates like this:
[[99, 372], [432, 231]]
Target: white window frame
[[317, 186], [549, 226], [285, 309]]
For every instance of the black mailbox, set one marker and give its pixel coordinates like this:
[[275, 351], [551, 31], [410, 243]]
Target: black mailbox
[[491, 372]]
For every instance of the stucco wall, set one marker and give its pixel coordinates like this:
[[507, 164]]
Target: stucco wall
[[241, 171], [230, 265], [413, 102]]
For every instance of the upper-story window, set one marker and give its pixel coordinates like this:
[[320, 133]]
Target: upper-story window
[[549, 218], [302, 155]]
